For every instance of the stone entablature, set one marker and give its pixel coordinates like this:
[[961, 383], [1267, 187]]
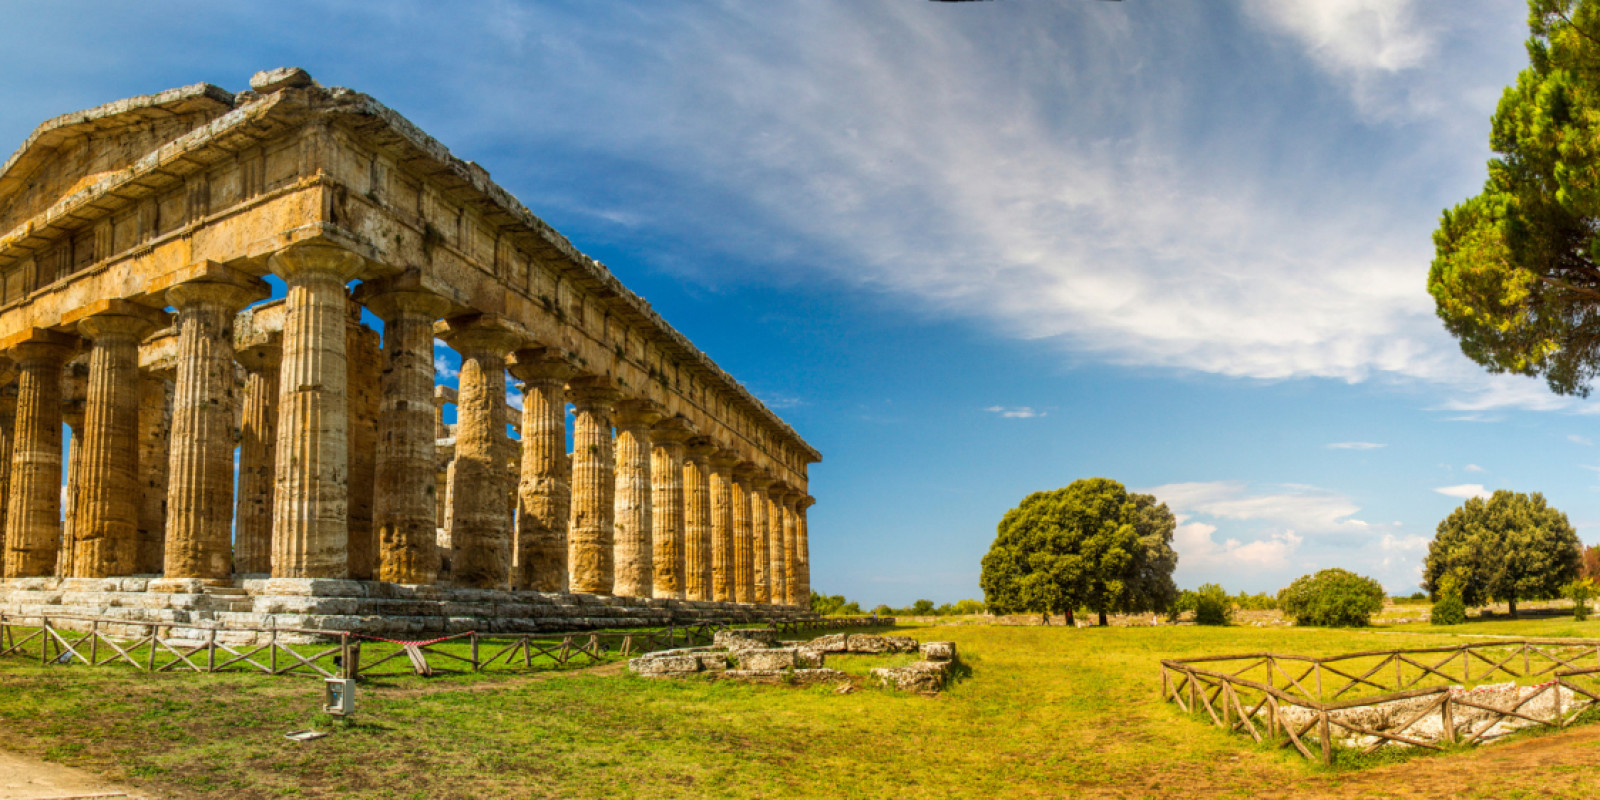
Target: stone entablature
[[185, 200]]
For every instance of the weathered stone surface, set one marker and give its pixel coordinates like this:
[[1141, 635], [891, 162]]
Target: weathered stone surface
[[33, 521], [155, 435], [744, 638], [667, 507], [769, 659], [480, 521], [761, 557], [591, 532], [795, 677], [364, 364], [923, 676], [261, 353], [722, 533], [775, 565], [633, 514], [832, 643], [281, 78], [544, 495], [668, 666], [939, 651], [697, 519]]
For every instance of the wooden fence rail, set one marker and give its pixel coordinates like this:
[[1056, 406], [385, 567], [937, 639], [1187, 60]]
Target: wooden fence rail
[[164, 647], [1297, 700]]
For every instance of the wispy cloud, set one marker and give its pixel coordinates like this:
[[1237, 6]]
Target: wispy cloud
[[1015, 412], [1355, 446], [1464, 491], [1583, 440], [1472, 468]]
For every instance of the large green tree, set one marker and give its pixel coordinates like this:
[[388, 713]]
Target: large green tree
[[1516, 273], [1510, 547], [1091, 545]]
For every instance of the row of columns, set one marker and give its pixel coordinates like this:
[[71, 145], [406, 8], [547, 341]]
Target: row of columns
[[642, 507]]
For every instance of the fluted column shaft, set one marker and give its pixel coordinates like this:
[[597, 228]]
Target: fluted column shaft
[[363, 393], [697, 521], [667, 513], [405, 509], [480, 532], [155, 436], [634, 548], [106, 528], [803, 548], [744, 587], [66, 552], [200, 468], [8, 436], [590, 536], [258, 444], [544, 497], [791, 554], [33, 516], [310, 515], [776, 570], [723, 579], [761, 556]]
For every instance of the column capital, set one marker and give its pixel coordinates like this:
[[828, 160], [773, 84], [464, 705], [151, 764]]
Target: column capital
[[591, 391], [443, 394], [117, 318], [8, 372], [806, 501], [758, 480], [390, 304], [228, 294], [672, 430], [317, 259], [637, 414], [262, 353], [541, 365], [39, 344], [480, 333], [724, 459], [698, 449]]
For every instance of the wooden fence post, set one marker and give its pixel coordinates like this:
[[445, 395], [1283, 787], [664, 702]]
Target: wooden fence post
[[1447, 719], [150, 666], [1327, 740]]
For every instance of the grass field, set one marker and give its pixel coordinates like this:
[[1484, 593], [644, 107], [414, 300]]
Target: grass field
[[1046, 712]]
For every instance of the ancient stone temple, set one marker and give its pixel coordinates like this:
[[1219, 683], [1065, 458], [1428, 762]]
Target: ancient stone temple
[[136, 243]]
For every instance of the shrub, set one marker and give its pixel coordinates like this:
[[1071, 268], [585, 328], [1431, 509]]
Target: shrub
[[1579, 592], [1449, 608], [1333, 598], [1212, 606]]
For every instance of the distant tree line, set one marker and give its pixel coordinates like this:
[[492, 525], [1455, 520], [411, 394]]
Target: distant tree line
[[837, 605]]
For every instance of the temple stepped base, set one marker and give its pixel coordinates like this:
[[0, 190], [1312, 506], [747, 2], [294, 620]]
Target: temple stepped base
[[374, 608]]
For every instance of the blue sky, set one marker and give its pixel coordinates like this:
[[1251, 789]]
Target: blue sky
[[975, 250]]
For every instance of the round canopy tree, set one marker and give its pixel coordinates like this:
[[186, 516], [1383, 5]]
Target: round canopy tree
[[1516, 273], [1092, 544], [1510, 547]]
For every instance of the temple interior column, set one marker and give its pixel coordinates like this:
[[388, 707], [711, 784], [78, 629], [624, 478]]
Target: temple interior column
[[444, 448], [200, 490], [310, 515], [258, 444], [406, 508], [72, 413], [543, 490], [634, 550], [697, 518], [364, 363], [590, 533], [761, 557], [775, 563], [744, 587], [155, 436], [667, 507], [722, 560], [106, 526], [480, 522], [33, 507]]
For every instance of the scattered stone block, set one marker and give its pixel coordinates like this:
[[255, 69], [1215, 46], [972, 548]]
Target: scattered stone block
[[768, 659], [923, 676], [832, 643], [939, 651]]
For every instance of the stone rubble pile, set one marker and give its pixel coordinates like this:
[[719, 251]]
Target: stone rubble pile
[[756, 655], [1467, 721]]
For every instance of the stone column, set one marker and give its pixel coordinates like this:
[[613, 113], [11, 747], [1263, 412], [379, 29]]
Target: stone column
[[406, 507], [155, 435], [697, 519], [33, 508], [744, 587], [8, 431], [634, 550], [791, 553], [723, 579], [72, 412], [258, 444], [364, 361], [200, 468], [544, 496], [443, 454], [777, 496], [310, 514], [106, 524], [591, 531], [761, 555], [480, 533], [803, 547], [667, 507]]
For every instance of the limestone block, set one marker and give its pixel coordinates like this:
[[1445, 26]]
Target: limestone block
[[808, 658], [939, 651], [902, 644], [923, 676], [273, 80], [832, 643], [768, 659], [744, 638], [867, 643], [662, 666], [797, 677]]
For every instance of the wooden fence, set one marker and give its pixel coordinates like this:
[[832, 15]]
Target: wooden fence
[[1297, 700], [167, 647]]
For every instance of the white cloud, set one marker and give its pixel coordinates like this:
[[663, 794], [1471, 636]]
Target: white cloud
[[1355, 446], [1300, 509], [444, 370], [1351, 36], [1015, 412], [1198, 549], [1464, 491], [1472, 468], [1583, 440]]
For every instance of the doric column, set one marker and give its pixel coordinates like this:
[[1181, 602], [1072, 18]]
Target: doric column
[[591, 531], [803, 546], [761, 556], [200, 468], [791, 552], [33, 508], [697, 518], [310, 514], [444, 453], [155, 436], [544, 496], [363, 377], [258, 444], [775, 544], [723, 579], [8, 432], [634, 551], [480, 534], [667, 507], [106, 523], [72, 412], [744, 585], [406, 506]]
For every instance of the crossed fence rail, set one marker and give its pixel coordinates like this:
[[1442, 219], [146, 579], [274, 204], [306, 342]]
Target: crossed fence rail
[[168, 647], [1261, 695]]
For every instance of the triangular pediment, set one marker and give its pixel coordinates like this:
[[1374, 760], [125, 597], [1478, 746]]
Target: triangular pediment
[[74, 151]]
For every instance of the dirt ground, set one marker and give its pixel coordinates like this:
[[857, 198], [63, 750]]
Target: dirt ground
[[23, 778]]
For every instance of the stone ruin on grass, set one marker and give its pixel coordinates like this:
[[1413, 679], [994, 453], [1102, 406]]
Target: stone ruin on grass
[[756, 656], [1421, 718]]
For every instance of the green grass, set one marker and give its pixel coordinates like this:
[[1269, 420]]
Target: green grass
[[1045, 712]]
